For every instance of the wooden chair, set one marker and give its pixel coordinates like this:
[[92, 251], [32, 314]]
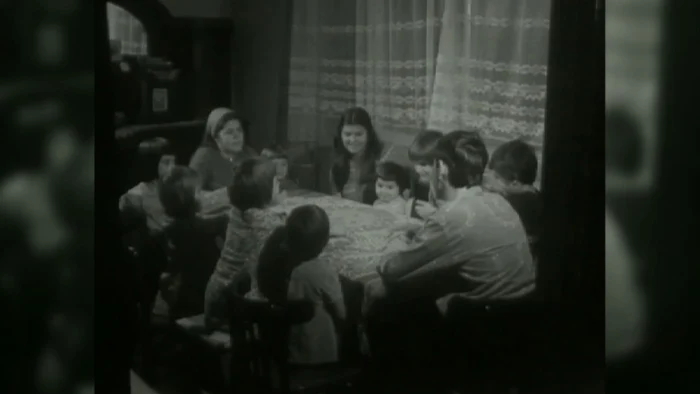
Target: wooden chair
[[208, 356], [144, 272], [260, 348]]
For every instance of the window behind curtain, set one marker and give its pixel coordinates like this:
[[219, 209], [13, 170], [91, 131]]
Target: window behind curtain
[[127, 30]]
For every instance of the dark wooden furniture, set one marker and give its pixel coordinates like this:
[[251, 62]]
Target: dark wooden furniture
[[260, 348]]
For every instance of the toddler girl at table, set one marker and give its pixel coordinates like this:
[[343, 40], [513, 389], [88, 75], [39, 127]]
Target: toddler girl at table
[[421, 203], [251, 220], [289, 269], [392, 181]]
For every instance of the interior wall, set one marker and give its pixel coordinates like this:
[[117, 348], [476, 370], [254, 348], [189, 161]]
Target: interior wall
[[211, 43], [260, 64], [199, 48]]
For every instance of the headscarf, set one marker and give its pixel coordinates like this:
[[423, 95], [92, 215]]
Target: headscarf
[[212, 121]]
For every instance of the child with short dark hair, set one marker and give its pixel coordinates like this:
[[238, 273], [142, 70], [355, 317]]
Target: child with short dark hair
[[392, 180], [189, 242], [512, 173], [143, 218], [289, 269], [141, 204], [277, 154], [251, 220], [421, 203]]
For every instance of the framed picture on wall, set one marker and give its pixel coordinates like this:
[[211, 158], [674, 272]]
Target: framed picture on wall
[[160, 100]]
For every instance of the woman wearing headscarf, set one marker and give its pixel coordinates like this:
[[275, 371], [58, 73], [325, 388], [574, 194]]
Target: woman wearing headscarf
[[224, 146]]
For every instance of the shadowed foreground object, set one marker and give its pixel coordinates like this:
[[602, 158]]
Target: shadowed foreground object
[[623, 143], [624, 308]]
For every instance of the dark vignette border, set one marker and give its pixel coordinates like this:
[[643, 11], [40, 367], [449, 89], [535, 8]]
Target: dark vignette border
[[113, 320]]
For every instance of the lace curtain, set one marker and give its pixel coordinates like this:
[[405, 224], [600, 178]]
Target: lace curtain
[[492, 68], [413, 64], [322, 68], [126, 29], [396, 49]]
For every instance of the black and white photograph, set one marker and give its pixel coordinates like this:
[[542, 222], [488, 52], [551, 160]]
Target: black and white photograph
[[347, 196]]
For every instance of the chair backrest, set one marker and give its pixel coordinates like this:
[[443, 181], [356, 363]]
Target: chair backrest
[[260, 338]]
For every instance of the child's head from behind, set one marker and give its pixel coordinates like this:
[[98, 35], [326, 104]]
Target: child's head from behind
[[513, 163], [277, 155], [157, 158], [178, 192], [254, 184], [392, 180], [308, 231], [302, 238], [419, 152]]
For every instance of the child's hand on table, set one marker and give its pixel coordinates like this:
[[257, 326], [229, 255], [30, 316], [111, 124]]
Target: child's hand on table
[[424, 209], [405, 225], [279, 198]]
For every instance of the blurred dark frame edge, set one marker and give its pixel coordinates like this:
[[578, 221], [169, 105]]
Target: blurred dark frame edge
[[571, 270], [113, 320], [673, 255]]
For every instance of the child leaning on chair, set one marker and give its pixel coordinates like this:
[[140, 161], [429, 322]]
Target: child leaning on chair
[[251, 220], [289, 269], [281, 256]]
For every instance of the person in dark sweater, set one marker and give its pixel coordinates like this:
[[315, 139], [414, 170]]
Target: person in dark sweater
[[140, 204], [189, 242], [512, 173], [224, 146]]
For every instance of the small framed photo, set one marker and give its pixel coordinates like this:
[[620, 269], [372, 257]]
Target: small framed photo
[[160, 100]]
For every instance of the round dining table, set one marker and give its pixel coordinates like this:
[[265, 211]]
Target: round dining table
[[360, 234]]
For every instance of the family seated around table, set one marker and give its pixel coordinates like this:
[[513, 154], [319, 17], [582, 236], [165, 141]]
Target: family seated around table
[[477, 221]]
